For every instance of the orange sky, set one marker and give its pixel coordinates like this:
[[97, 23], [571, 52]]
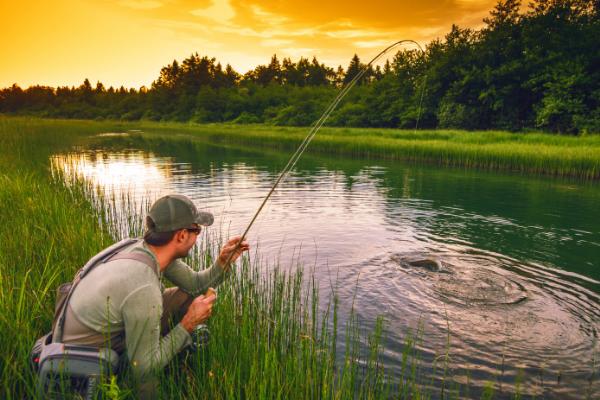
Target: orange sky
[[126, 42]]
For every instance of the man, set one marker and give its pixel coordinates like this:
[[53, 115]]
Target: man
[[122, 304]]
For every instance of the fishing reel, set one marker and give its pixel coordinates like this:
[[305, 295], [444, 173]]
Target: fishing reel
[[200, 337]]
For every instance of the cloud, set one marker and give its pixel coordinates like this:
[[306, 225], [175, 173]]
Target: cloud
[[474, 2], [185, 28], [376, 14], [267, 17], [430, 32], [259, 28], [351, 33], [220, 11]]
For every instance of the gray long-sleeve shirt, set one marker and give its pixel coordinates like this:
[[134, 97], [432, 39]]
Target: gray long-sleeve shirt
[[124, 298]]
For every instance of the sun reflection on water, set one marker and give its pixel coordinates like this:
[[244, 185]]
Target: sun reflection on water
[[120, 172]]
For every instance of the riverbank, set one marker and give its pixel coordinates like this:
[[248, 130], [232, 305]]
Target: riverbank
[[522, 153]]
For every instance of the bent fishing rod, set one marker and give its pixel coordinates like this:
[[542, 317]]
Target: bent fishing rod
[[315, 128]]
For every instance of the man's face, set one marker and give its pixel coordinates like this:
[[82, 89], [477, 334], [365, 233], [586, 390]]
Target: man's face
[[188, 240]]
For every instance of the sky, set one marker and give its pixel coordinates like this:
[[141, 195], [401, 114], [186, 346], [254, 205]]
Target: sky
[[127, 42]]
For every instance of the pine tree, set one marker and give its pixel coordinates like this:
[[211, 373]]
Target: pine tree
[[353, 69], [339, 76], [506, 12]]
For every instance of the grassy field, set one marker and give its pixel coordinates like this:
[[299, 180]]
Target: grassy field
[[270, 339]]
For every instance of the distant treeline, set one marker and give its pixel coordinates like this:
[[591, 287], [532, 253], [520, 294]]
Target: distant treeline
[[538, 69]]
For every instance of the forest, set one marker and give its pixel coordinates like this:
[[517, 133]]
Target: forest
[[534, 68]]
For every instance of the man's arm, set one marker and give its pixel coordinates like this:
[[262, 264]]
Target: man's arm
[[197, 282], [146, 350], [194, 282]]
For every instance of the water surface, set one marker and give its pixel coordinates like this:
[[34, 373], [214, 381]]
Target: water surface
[[517, 297]]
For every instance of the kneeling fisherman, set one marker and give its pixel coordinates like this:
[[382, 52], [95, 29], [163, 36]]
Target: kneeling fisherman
[[122, 304]]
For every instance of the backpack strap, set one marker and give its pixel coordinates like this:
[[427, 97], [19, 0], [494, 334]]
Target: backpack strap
[[104, 255], [137, 256], [111, 253]]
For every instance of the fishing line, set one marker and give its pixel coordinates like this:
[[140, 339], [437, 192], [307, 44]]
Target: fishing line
[[315, 128]]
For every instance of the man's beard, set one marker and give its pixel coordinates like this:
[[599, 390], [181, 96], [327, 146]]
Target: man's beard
[[184, 253]]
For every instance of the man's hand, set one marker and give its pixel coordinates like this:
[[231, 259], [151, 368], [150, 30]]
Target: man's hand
[[228, 251], [198, 312]]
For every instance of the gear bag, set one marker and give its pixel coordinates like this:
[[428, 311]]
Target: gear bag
[[70, 367]]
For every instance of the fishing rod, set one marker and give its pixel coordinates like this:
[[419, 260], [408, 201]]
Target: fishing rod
[[315, 128]]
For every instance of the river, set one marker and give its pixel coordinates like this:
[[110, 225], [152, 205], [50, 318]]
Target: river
[[514, 297]]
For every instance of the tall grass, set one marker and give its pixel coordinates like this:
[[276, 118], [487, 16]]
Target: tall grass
[[47, 230]]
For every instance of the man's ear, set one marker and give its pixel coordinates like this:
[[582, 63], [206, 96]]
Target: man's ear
[[180, 236]]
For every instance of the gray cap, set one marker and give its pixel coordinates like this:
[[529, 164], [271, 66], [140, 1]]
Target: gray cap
[[174, 211]]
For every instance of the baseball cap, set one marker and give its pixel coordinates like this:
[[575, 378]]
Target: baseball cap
[[175, 211]]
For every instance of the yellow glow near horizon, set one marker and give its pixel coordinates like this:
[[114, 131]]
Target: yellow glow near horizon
[[126, 42]]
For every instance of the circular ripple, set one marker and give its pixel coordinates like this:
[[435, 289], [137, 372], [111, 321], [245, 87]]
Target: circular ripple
[[464, 284], [480, 287]]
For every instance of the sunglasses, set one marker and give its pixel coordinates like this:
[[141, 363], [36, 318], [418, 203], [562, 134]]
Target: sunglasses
[[194, 230]]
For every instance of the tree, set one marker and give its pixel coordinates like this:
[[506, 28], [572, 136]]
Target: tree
[[502, 76], [354, 69], [319, 74], [99, 88], [231, 77], [506, 12], [168, 76]]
